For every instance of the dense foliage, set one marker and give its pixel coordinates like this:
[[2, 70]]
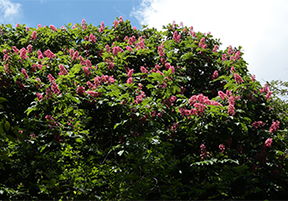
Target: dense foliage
[[120, 113]]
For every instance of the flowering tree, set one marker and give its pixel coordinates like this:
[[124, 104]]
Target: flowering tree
[[120, 113]]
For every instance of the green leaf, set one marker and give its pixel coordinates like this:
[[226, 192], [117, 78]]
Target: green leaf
[[7, 126]]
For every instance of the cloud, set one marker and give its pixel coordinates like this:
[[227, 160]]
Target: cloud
[[259, 26], [10, 12]]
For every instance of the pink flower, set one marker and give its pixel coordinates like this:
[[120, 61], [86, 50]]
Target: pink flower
[[268, 95], [215, 48], [29, 48], [23, 53], [49, 54], [256, 124], [50, 78], [107, 48], [129, 48], [92, 38], [17, 25], [34, 35], [130, 73], [143, 69], [39, 96], [231, 110], [40, 55], [222, 147], [15, 49], [63, 71], [80, 90], [215, 75], [230, 51], [238, 78], [268, 142], [115, 23], [75, 56], [222, 95], [224, 57], [274, 126], [53, 28], [88, 63], [55, 88], [49, 93], [232, 70], [24, 73], [93, 93], [86, 71], [253, 77], [38, 80], [129, 80], [102, 24], [231, 100]]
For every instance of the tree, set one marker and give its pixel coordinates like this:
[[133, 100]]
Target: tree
[[120, 113]]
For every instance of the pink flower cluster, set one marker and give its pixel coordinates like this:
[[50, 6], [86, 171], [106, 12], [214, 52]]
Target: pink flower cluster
[[222, 147], [144, 70], [40, 55], [215, 48], [92, 38], [274, 126], [238, 78], [94, 94], [202, 43], [204, 153], [256, 124], [199, 106], [23, 71], [176, 37], [160, 50], [141, 43], [116, 49], [49, 54], [34, 35], [266, 89], [215, 75], [63, 71], [80, 90], [52, 27], [55, 88], [268, 142], [23, 53]]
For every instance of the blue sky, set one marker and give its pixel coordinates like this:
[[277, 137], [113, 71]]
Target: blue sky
[[259, 26], [61, 12]]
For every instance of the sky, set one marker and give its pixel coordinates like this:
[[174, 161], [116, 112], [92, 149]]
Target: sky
[[259, 26]]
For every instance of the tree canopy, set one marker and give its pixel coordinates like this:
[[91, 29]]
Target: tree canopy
[[114, 112]]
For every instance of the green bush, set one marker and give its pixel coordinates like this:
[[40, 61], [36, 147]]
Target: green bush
[[120, 113]]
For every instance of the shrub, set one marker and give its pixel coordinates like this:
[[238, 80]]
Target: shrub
[[121, 113]]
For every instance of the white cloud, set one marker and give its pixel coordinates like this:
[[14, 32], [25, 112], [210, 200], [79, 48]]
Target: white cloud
[[259, 26], [10, 12]]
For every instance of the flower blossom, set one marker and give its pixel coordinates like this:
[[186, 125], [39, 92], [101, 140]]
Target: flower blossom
[[52, 27], [49, 54], [23, 71], [92, 38], [274, 126], [268, 142], [215, 75], [63, 71], [34, 35], [256, 124], [23, 53], [222, 147], [129, 80], [80, 90], [238, 78]]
